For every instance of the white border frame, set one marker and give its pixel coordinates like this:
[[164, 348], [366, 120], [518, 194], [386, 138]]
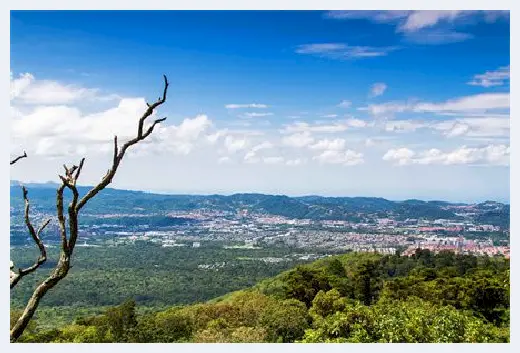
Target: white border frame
[[271, 5]]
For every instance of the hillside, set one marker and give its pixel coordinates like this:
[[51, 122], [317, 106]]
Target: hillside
[[114, 201], [356, 297]]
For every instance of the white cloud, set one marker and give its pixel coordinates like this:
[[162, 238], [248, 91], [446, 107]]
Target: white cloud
[[401, 156], [58, 130], [356, 123], [467, 104], [348, 157], [252, 105], [436, 36], [378, 89], [488, 155], [256, 115], [425, 26], [296, 162], [224, 160], [251, 155], [490, 126], [213, 138], [325, 127], [273, 160], [330, 116], [457, 129], [190, 129], [410, 21], [320, 128], [20, 84], [404, 125], [177, 139], [233, 144], [479, 102], [262, 146], [326, 144], [26, 89], [388, 108], [344, 104], [421, 19], [298, 140], [342, 51], [491, 78]]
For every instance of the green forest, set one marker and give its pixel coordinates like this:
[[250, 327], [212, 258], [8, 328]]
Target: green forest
[[354, 297]]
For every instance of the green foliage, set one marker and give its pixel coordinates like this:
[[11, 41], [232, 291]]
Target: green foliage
[[413, 320], [347, 298], [148, 273], [285, 321]]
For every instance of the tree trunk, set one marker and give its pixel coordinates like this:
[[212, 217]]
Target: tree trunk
[[60, 272]]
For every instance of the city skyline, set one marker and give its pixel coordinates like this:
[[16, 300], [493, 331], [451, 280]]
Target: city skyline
[[393, 104]]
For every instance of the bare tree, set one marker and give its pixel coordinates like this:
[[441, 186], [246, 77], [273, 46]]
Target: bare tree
[[35, 234], [68, 242]]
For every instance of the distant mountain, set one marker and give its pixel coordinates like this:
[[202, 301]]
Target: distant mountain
[[48, 184], [116, 201]]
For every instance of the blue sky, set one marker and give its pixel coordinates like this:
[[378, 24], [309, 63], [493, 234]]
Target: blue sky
[[397, 104]]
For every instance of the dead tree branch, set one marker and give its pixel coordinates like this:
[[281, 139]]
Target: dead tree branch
[[15, 277], [69, 181], [24, 155], [35, 234]]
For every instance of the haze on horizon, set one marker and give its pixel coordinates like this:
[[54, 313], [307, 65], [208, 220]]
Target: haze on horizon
[[400, 104]]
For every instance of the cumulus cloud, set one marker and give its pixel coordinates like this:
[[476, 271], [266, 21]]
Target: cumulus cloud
[[347, 158], [57, 126], [404, 125], [401, 156], [491, 78], [487, 155], [213, 138], [326, 144], [27, 90], [378, 89], [251, 154], [298, 140], [233, 144]]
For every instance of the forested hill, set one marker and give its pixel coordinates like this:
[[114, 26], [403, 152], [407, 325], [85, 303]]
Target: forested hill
[[357, 297], [116, 201]]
